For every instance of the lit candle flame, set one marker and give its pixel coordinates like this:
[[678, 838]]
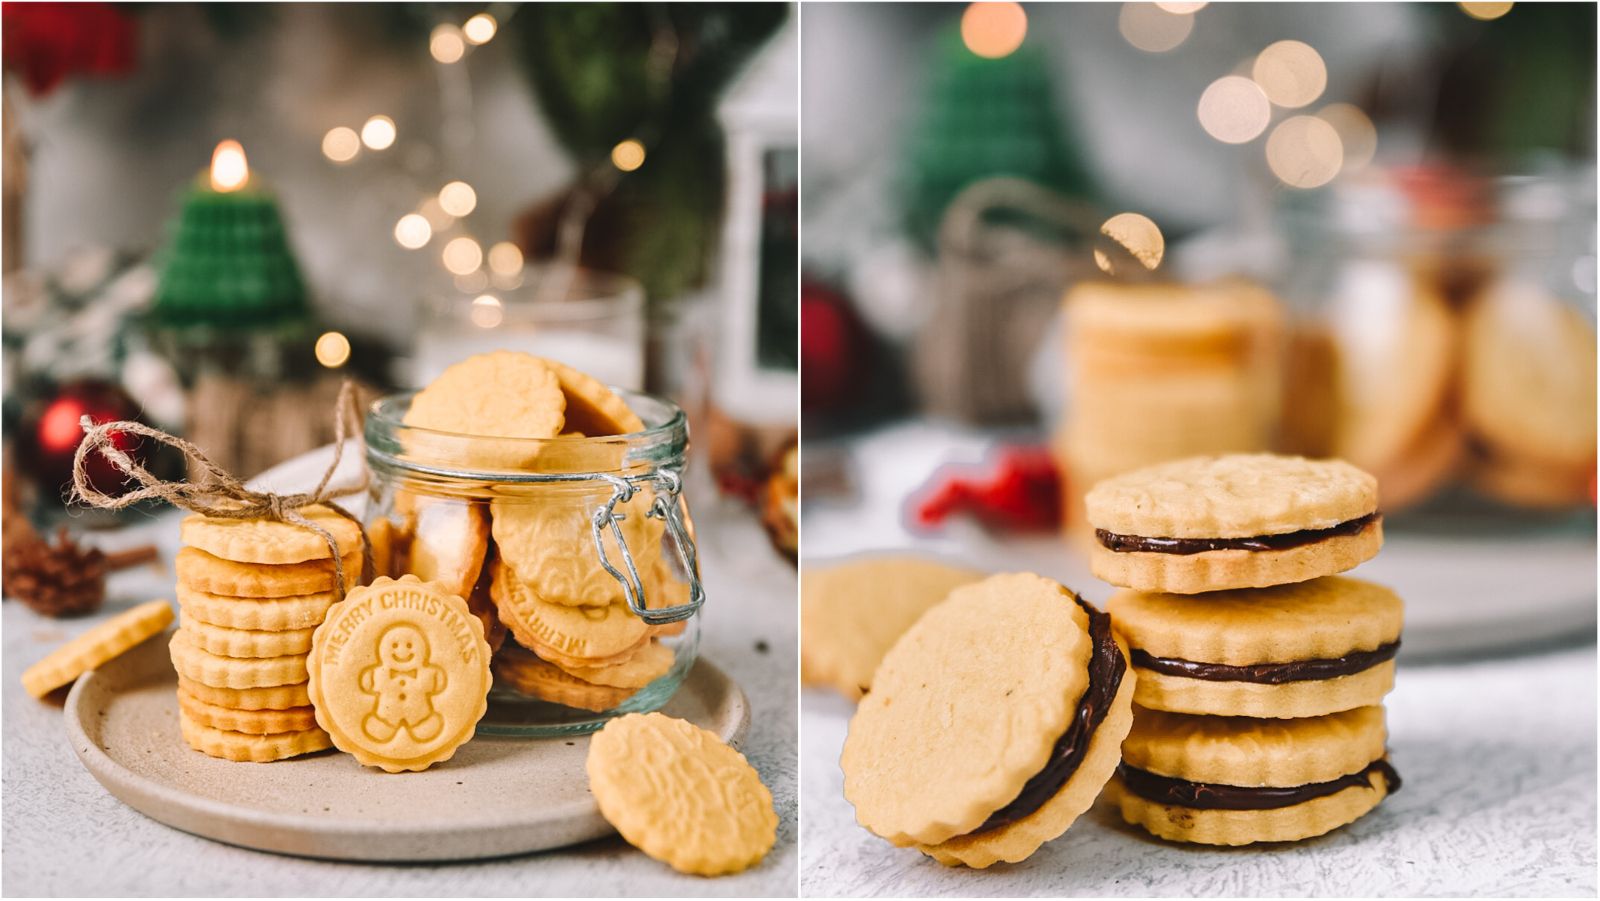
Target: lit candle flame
[[229, 171]]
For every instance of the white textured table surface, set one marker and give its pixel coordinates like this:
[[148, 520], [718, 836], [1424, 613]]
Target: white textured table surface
[[65, 835], [1498, 760]]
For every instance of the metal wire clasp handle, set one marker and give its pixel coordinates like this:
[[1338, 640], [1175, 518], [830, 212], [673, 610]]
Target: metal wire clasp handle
[[668, 487]]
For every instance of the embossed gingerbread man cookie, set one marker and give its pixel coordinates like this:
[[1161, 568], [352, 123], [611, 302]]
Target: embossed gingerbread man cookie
[[399, 674]]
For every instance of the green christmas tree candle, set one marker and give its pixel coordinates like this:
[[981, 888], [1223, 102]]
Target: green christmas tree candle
[[229, 267]]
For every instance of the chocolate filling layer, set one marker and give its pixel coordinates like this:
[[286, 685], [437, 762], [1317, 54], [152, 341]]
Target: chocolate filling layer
[[1131, 543], [1106, 666], [1269, 673], [1213, 796]]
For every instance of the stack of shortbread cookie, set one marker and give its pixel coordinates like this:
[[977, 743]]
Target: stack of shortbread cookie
[[1259, 673], [1162, 371], [251, 592]]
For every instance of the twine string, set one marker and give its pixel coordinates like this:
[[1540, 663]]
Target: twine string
[[213, 491]]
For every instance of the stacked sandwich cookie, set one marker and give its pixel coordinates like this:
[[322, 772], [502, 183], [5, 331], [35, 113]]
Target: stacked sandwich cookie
[[992, 724], [251, 593], [1259, 673]]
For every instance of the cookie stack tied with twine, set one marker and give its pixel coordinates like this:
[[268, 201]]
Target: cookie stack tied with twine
[[1160, 371], [1260, 673], [257, 573], [526, 561]]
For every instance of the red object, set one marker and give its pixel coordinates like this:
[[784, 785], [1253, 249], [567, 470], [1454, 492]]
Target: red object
[[830, 348], [1022, 492], [44, 43], [54, 435]]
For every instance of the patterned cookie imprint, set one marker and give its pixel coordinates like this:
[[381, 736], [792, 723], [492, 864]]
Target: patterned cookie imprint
[[399, 674], [550, 548], [679, 794], [529, 675], [576, 634]]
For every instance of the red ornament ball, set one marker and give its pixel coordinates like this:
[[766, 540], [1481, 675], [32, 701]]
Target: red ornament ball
[[52, 439]]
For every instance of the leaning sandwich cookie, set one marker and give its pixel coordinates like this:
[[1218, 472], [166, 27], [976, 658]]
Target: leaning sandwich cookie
[[1014, 655], [1236, 780], [1297, 650]]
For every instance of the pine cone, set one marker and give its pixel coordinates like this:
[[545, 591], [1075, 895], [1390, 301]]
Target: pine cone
[[63, 579]]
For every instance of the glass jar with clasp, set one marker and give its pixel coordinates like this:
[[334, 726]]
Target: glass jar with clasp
[[577, 553]]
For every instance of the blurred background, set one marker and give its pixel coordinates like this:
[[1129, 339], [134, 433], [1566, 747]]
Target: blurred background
[[216, 212], [1048, 243]]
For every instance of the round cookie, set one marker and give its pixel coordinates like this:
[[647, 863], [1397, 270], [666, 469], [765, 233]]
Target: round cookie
[[550, 547], [1008, 656], [98, 645], [1528, 385], [536, 678], [226, 642], [578, 634], [504, 394], [449, 540], [399, 674], [1017, 841], [270, 541], [250, 722], [1235, 780], [273, 697], [201, 571], [592, 410], [1396, 348], [649, 663], [679, 794], [1236, 521], [304, 611], [198, 665], [253, 748], [851, 614], [1296, 650]]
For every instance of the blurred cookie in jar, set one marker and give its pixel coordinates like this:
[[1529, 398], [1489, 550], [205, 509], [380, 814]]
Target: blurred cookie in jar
[[1528, 396], [1375, 382]]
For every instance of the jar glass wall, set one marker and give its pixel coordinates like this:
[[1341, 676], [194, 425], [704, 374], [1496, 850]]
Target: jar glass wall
[[577, 553]]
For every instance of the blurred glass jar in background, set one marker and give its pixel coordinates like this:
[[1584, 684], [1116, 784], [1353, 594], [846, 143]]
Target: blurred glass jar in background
[[591, 321], [535, 534], [1443, 332]]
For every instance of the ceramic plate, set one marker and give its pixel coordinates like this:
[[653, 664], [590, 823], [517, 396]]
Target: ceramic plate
[[495, 797]]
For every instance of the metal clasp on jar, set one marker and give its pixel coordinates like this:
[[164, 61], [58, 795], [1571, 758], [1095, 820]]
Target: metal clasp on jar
[[668, 487]]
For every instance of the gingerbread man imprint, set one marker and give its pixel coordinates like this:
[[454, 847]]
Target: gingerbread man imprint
[[403, 683]]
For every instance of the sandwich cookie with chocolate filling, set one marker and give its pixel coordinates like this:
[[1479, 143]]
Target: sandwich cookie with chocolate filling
[[1293, 650], [1235, 521], [1235, 781], [992, 723]]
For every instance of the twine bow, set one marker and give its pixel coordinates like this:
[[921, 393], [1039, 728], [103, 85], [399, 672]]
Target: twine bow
[[215, 492]]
